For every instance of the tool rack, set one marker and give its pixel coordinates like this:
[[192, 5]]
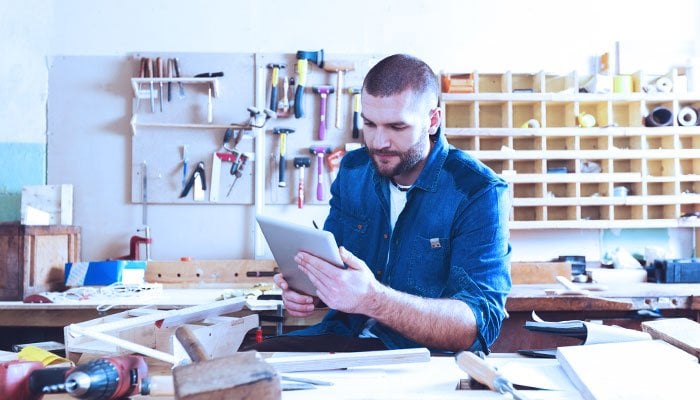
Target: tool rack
[[648, 176]]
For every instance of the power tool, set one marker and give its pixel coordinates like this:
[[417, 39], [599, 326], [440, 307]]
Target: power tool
[[108, 378]]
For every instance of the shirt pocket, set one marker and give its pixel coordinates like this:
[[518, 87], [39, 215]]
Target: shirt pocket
[[429, 266], [354, 233]]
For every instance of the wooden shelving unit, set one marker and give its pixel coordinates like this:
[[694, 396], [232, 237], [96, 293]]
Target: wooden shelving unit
[[617, 174]]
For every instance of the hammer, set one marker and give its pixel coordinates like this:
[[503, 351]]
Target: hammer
[[323, 91], [273, 84], [239, 376], [356, 109], [303, 58], [301, 163], [339, 67], [283, 132], [319, 152]]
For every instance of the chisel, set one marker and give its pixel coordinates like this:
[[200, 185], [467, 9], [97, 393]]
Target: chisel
[[481, 371], [149, 74], [159, 74], [176, 66]]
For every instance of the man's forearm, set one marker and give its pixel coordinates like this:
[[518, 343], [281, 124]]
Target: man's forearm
[[437, 323]]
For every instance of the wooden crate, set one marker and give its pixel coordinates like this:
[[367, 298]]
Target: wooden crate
[[32, 258]]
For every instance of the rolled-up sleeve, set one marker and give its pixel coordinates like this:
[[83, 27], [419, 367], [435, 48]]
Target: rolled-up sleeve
[[480, 265]]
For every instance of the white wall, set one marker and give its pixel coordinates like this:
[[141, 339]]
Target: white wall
[[454, 35]]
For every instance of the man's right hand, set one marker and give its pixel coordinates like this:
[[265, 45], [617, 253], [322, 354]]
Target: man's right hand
[[297, 304]]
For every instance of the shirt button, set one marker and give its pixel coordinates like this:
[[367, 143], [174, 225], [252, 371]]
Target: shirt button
[[379, 274], [386, 236], [359, 227]]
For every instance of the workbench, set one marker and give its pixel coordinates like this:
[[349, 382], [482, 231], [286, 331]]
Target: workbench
[[625, 306]]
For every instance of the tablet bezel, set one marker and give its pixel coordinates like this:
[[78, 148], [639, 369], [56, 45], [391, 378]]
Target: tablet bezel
[[286, 239]]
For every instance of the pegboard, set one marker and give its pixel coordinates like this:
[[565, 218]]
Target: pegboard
[[163, 139], [159, 137], [306, 129]]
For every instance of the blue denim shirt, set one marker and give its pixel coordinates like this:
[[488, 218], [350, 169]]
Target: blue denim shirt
[[450, 241]]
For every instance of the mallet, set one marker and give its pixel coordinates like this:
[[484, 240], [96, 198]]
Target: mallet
[[319, 152], [282, 132], [323, 91]]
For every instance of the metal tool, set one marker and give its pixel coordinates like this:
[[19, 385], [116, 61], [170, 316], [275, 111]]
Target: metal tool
[[108, 378], [237, 170], [323, 91], [273, 83], [356, 111], [176, 67], [149, 74], [480, 370], [301, 163], [159, 74], [282, 132], [340, 68], [142, 74], [198, 173], [319, 152], [303, 58], [169, 67]]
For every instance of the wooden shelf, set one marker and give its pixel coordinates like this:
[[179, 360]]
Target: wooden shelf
[[646, 177]]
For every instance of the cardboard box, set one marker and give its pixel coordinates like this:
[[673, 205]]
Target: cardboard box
[[103, 273]]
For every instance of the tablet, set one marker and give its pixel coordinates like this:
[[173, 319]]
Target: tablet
[[287, 239]]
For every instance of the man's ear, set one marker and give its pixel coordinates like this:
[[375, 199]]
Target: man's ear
[[435, 120]]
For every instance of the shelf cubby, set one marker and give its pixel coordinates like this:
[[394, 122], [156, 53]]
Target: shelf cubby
[[565, 176]]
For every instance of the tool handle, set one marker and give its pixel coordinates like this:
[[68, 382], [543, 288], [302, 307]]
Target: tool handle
[[478, 369], [158, 385], [273, 98], [298, 102], [300, 191], [283, 154], [322, 118], [356, 107], [319, 172], [192, 345], [338, 93]]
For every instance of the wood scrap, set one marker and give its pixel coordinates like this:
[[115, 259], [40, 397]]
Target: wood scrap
[[680, 332], [319, 362]]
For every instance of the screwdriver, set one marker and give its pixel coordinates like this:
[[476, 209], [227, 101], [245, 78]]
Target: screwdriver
[[149, 74], [480, 370], [237, 170], [176, 67], [159, 74]]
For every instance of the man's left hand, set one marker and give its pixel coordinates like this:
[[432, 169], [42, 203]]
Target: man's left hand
[[349, 290]]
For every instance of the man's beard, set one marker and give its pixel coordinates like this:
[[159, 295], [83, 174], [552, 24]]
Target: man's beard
[[407, 160]]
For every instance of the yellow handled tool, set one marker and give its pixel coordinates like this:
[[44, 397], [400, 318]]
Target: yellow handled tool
[[480, 370]]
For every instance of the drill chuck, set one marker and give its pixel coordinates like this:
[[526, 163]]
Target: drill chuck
[[92, 381]]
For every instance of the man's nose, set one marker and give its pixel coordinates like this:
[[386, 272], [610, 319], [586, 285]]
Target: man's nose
[[381, 139]]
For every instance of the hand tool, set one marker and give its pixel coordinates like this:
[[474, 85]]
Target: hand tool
[[356, 110], [185, 161], [14, 380], [198, 173], [170, 76], [340, 68], [149, 74], [176, 67], [273, 83], [142, 74], [159, 74], [481, 371], [301, 163], [333, 162], [284, 103], [282, 132], [210, 75], [323, 91], [238, 166], [303, 58], [238, 376], [109, 378], [319, 151], [210, 106]]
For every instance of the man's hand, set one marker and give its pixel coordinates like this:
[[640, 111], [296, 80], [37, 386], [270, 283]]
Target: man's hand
[[297, 304], [350, 290]]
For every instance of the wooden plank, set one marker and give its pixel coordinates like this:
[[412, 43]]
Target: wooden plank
[[647, 369], [538, 272], [210, 272], [680, 332], [316, 362]]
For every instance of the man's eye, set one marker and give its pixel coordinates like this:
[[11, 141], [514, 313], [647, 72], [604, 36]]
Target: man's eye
[[368, 123], [398, 127]]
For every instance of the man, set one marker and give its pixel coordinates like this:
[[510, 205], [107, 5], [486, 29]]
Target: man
[[422, 228]]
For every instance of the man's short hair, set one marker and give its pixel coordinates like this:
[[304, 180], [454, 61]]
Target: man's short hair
[[399, 72]]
